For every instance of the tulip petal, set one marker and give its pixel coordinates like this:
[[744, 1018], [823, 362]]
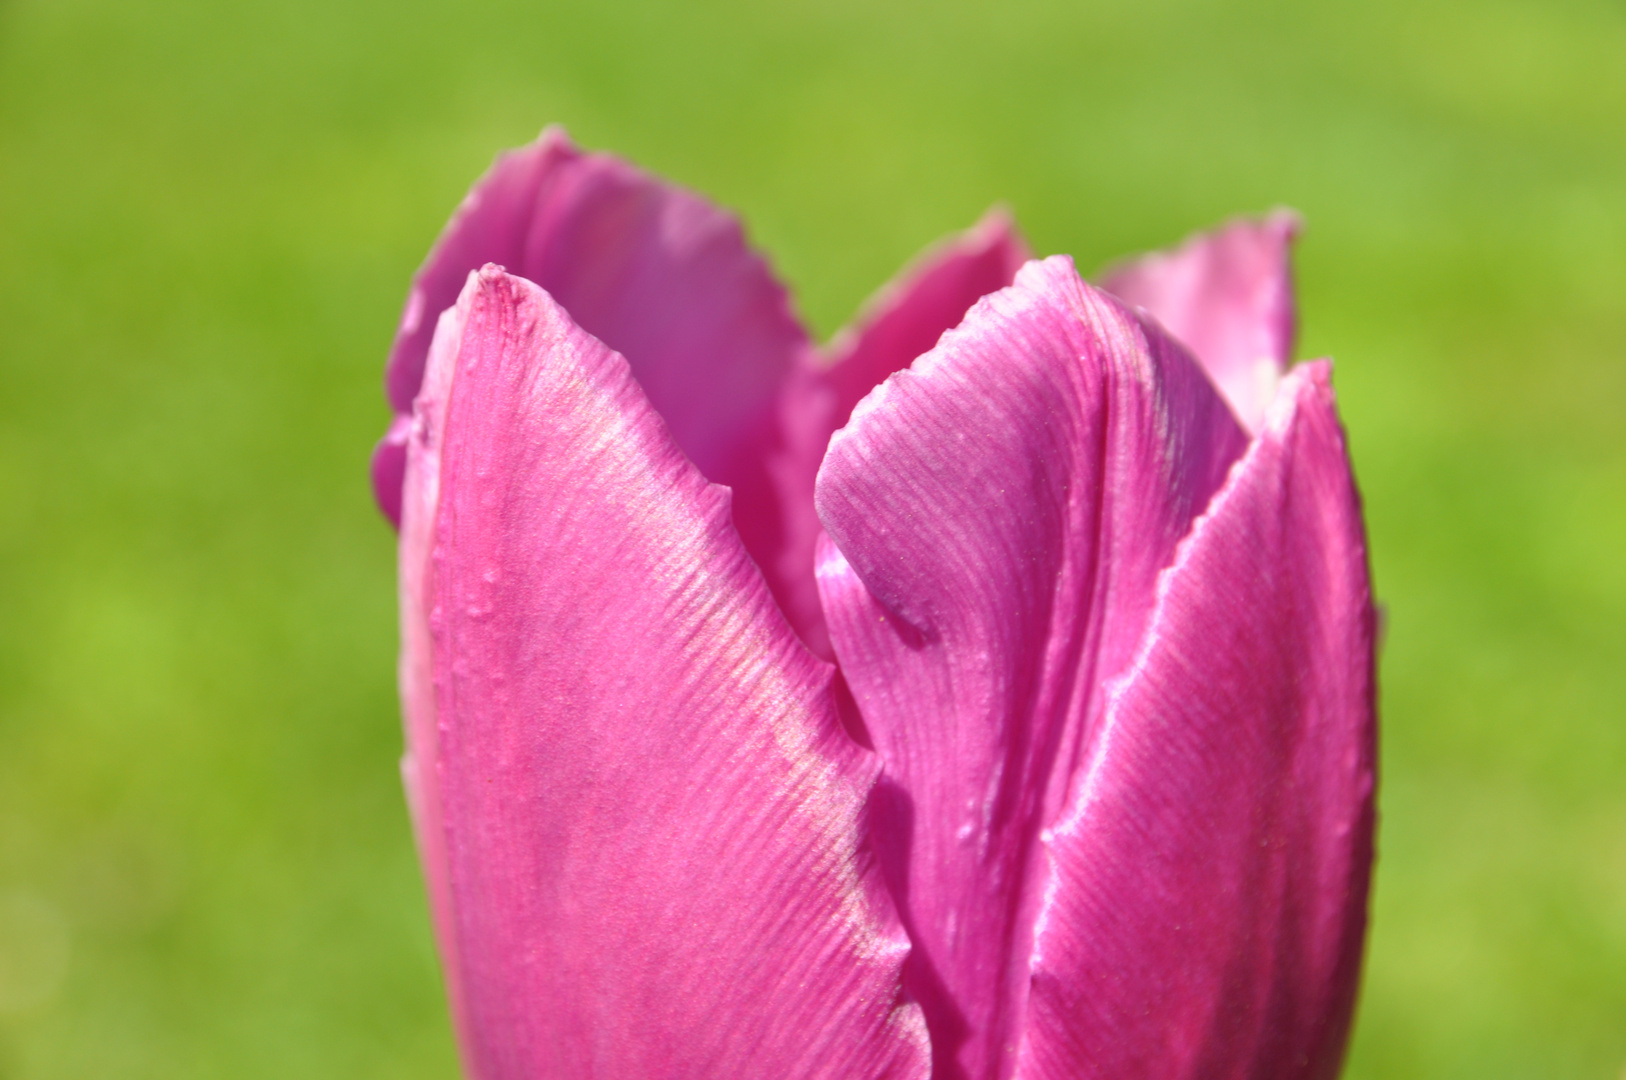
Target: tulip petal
[[903, 319], [1000, 513], [1208, 894], [1228, 296], [931, 295], [491, 225], [388, 469], [420, 440], [652, 270], [650, 819], [666, 279]]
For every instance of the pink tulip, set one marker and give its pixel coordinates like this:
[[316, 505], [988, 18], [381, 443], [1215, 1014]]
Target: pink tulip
[[987, 695]]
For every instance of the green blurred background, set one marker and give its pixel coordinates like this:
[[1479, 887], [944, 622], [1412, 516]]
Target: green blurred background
[[208, 216]]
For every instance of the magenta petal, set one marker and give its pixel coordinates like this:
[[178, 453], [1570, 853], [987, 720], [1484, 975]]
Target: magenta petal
[[389, 468], [420, 771], [1228, 295], [653, 270], [666, 279], [902, 320], [490, 226], [932, 294], [1208, 901], [647, 818], [1002, 510]]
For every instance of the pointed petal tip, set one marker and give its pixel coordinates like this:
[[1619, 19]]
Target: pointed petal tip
[[694, 809], [993, 247], [654, 270], [997, 231], [488, 220], [1227, 295], [1288, 221], [975, 672], [670, 282], [554, 136], [930, 295], [1252, 697], [1280, 225]]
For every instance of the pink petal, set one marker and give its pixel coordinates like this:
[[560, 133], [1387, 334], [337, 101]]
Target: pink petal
[[1208, 898], [491, 225], [649, 817], [666, 279], [653, 270], [902, 320], [1228, 295], [1002, 510], [932, 294], [420, 771], [388, 468]]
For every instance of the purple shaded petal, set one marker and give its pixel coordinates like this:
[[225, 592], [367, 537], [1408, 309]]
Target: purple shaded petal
[[649, 816], [388, 468], [490, 225], [932, 294], [1002, 510], [902, 320], [666, 279], [1208, 898], [1228, 295], [653, 270]]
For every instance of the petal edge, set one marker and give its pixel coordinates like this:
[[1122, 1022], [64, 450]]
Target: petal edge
[[1218, 860], [650, 816]]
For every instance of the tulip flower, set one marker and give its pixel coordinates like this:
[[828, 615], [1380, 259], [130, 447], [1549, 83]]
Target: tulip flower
[[987, 695]]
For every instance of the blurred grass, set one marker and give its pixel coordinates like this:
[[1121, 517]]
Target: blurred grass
[[208, 215]]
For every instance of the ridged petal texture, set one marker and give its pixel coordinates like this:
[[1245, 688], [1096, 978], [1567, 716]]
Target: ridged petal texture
[[932, 294], [999, 515], [1228, 296], [1096, 580], [666, 279], [642, 822], [1207, 894], [901, 321], [653, 270]]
